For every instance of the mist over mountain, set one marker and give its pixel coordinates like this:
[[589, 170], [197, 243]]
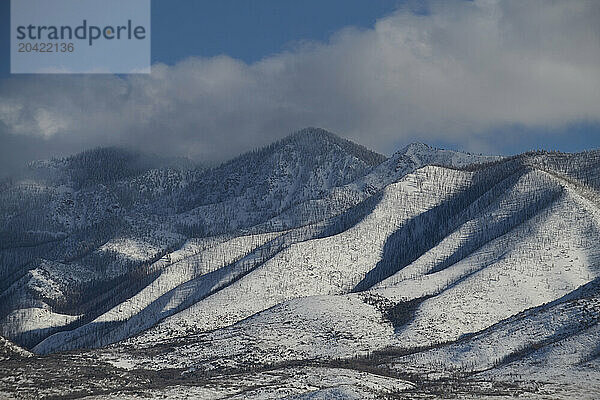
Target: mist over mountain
[[310, 268]]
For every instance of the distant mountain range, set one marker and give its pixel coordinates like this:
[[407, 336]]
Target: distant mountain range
[[311, 268]]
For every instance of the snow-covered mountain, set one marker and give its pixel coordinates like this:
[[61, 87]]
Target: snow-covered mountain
[[312, 267]]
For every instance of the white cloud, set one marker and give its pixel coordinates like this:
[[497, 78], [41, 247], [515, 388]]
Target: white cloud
[[464, 69]]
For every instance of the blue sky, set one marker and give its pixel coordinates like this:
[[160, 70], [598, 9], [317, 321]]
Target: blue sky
[[247, 30], [500, 78], [251, 30]]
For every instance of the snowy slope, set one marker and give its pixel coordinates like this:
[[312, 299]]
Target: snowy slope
[[106, 215], [551, 340], [177, 286], [322, 266], [101, 256], [401, 163], [522, 265], [530, 267], [344, 275], [327, 265], [9, 350]]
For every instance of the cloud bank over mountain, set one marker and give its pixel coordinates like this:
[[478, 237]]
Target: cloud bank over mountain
[[451, 74]]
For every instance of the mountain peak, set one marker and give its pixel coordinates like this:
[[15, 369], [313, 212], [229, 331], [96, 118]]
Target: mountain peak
[[311, 136], [315, 132], [417, 147]]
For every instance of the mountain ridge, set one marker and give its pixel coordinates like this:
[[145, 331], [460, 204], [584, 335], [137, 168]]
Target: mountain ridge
[[308, 253]]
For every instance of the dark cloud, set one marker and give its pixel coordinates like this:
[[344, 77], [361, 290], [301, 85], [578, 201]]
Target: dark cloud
[[445, 75]]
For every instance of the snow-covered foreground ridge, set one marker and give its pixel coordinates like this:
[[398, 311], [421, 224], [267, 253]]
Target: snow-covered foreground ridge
[[311, 250]]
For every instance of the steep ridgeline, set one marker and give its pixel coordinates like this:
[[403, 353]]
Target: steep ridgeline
[[106, 239], [259, 185], [341, 198]]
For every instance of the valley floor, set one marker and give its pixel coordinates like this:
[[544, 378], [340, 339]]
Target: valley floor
[[81, 375]]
